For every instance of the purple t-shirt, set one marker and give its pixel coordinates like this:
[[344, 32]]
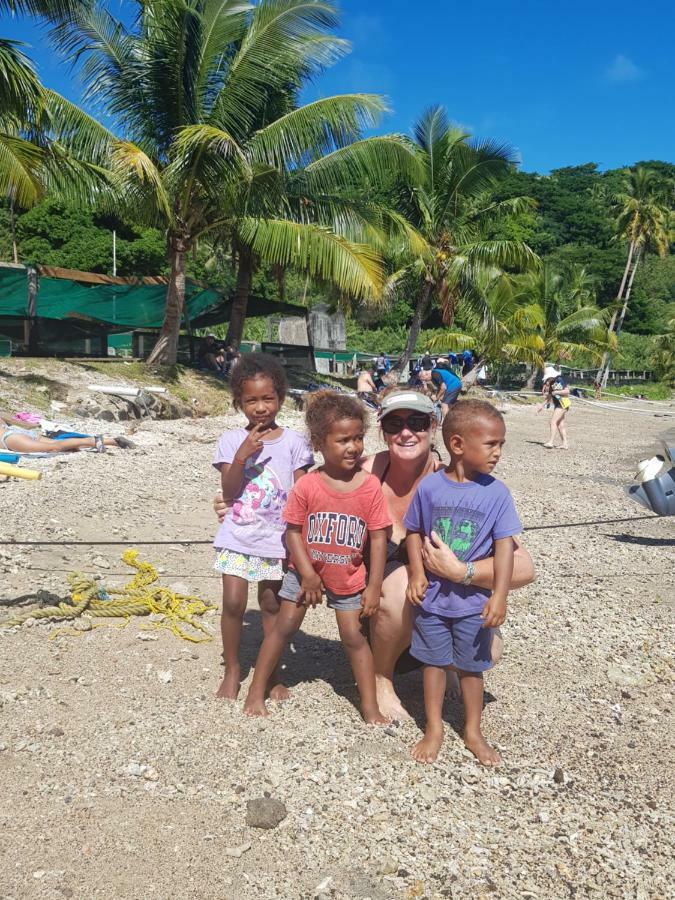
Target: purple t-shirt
[[469, 516], [253, 524]]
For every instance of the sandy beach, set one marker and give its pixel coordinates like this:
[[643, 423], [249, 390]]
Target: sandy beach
[[123, 781]]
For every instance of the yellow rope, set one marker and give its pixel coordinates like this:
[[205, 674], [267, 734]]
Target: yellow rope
[[140, 597]]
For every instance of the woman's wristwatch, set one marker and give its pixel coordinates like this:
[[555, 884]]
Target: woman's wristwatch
[[470, 572]]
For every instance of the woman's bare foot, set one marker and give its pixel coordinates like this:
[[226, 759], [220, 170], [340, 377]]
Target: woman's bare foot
[[387, 699], [229, 686], [374, 716], [484, 753], [426, 750], [280, 693], [548, 446], [255, 706]]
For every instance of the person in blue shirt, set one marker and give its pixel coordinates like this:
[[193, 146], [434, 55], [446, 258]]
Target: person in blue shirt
[[447, 384]]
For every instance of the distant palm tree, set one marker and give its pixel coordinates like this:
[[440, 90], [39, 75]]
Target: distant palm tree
[[505, 331], [564, 313], [643, 222], [205, 92], [450, 208]]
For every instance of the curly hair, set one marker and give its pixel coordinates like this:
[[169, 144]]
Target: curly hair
[[464, 414], [325, 408], [255, 365]]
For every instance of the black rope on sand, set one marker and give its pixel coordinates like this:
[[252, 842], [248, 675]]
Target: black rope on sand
[[210, 542]]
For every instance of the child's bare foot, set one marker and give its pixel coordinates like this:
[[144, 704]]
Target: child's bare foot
[[387, 699], [280, 693], [229, 686], [374, 716], [484, 753], [426, 750], [255, 706]]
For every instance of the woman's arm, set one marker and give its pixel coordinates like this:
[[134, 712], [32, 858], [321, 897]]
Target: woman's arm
[[10, 420], [439, 559]]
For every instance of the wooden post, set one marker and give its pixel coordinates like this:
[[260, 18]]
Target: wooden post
[[33, 286]]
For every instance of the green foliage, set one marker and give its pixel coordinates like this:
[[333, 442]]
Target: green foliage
[[574, 223], [56, 234]]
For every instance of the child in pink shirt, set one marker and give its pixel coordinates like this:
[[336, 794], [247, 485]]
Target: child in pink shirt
[[331, 514]]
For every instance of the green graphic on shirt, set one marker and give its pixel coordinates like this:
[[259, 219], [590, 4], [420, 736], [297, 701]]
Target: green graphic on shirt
[[457, 528]]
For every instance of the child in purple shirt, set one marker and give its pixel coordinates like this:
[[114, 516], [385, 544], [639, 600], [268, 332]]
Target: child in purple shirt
[[258, 465], [473, 513]]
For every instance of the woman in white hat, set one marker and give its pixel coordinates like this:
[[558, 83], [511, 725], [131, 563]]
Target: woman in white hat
[[557, 394], [408, 422]]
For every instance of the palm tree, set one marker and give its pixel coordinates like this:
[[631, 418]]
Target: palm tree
[[206, 91], [504, 330], [663, 357], [563, 312], [643, 222], [31, 161], [450, 209]]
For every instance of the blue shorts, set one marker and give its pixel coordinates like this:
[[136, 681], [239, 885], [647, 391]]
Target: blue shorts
[[442, 641], [290, 588], [451, 396]]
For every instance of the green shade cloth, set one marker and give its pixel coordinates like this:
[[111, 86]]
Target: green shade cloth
[[121, 306]]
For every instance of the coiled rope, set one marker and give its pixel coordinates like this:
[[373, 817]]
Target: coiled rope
[[142, 596]]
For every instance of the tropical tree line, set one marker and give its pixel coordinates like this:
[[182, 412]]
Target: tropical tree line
[[212, 150]]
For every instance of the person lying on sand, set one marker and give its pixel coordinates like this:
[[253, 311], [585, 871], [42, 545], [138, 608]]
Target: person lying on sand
[[15, 437]]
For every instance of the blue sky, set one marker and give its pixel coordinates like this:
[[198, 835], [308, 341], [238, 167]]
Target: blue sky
[[565, 83]]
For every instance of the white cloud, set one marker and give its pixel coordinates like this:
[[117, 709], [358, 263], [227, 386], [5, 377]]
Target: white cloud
[[622, 70]]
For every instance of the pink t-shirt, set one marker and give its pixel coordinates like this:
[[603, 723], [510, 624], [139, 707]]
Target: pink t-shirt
[[335, 528]]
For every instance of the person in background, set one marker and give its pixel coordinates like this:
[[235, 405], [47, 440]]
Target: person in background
[[447, 385], [17, 438], [232, 356], [467, 362], [366, 389], [556, 394], [211, 355], [380, 370]]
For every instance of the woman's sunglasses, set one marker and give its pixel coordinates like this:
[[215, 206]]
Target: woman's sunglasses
[[415, 422]]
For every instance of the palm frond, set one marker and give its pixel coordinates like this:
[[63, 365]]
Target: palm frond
[[20, 90], [20, 169], [134, 169], [505, 254], [369, 163], [354, 269], [315, 129]]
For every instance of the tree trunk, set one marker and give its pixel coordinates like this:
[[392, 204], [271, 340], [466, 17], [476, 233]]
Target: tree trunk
[[627, 297], [471, 377], [619, 326], [601, 375], [415, 327], [532, 377], [165, 351], [12, 225], [240, 301]]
